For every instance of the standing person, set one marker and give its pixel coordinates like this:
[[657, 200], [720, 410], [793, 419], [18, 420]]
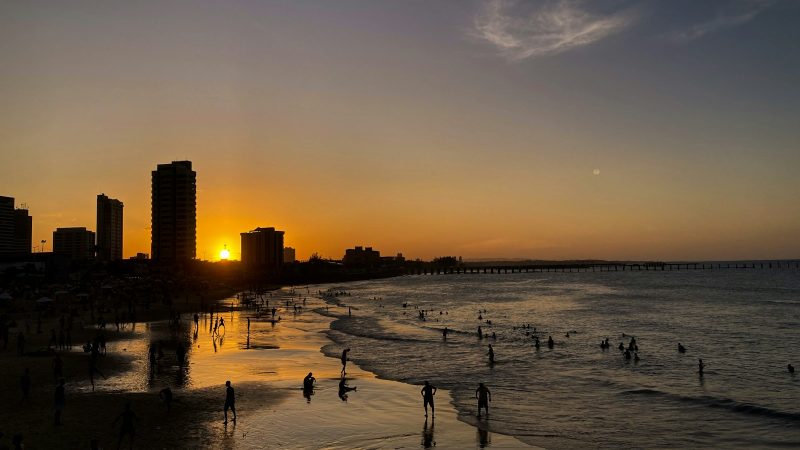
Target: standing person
[[59, 401], [491, 354], [427, 392], [230, 401], [344, 359], [700, 367], [444, 333], [128, 417], [25, 385], [484, 396]]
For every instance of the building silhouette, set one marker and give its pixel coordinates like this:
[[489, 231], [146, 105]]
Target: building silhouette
[[262, 250], [361, 257], [16, 228], [75, 243], [173, 234], [109, 228], [289, 255]]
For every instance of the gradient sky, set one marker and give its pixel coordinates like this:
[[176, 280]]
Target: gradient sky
[[544, 129]]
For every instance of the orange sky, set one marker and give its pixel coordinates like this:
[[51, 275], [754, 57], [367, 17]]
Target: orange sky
[[402, 127]]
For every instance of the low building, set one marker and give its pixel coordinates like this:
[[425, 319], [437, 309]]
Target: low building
[[361, 257], [262, 250], [289, 255], [76, 243]]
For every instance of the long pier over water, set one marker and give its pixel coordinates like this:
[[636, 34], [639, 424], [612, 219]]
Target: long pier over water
[[602, 267]]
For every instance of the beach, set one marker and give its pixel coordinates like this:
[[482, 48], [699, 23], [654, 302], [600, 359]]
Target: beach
[[266, 367]]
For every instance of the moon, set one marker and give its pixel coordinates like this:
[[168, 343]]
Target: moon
[[596, 171]]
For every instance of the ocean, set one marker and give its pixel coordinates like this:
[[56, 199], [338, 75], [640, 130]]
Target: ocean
[[744, 324]]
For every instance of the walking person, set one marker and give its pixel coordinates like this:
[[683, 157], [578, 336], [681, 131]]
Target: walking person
[[59, 400], [230, 401], [344, 359]]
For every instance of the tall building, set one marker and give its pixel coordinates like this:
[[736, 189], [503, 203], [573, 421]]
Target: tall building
[[77, 243], [16, 228], [262, 250], [109, 228], [289, 255], [23, 232], [173, 233], [6, 225]]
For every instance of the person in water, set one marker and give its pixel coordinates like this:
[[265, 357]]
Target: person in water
[[681, 348], [308, 382], [427, 392], [700, 367], [790, 368], [550, 342], [230, 401], [491, 354], [484, 396], [444, 333], [480, 332]]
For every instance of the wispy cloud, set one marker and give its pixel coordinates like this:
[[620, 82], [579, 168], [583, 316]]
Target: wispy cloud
[[522, 31], [735, 13]]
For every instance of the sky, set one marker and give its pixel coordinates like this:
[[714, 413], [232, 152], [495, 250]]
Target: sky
[[551, 129]]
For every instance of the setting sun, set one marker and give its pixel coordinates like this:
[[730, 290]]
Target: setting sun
[[224, 253]]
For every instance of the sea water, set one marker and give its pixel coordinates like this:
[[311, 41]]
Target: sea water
[[744, 324]]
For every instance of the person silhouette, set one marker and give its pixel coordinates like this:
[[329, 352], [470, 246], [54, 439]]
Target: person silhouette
[[166, 396], [700, 367], [59, 400], [790, 368], [230, 401], [344, 359], [491, 354], [681, 348], [550, 343], [308, 383], [128, 418], [427, 392], [484, 396], [444, 333]]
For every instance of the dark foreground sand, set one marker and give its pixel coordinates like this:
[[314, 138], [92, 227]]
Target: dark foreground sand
[[272, 410]]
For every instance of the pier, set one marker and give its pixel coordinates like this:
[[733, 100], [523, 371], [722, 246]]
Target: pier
[[602, 267]]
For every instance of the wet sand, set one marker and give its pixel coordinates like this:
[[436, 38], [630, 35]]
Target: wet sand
[[266, 368]]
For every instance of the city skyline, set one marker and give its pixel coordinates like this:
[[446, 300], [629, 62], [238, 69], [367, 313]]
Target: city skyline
[[628, 130]]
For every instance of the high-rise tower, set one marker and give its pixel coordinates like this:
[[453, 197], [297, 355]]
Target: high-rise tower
[[173, 212]]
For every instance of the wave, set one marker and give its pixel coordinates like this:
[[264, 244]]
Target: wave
[[719, 402], [366, 328]]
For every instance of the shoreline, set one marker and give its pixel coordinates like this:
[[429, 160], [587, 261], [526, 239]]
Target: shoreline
[[266, 368]]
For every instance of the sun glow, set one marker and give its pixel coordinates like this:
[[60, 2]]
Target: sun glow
[[224, 253]]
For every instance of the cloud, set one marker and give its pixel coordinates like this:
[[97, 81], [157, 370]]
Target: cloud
[[554, 26], [736, 13]]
